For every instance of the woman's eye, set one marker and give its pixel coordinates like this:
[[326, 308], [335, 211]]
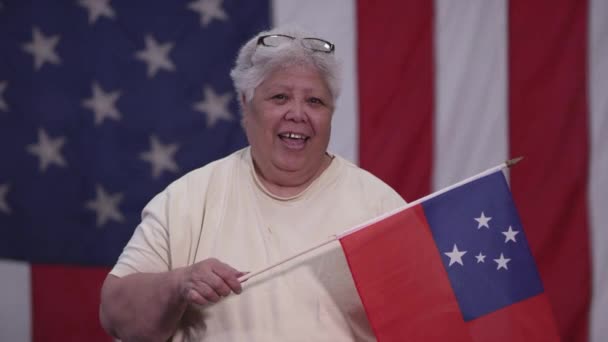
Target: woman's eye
[[315, 100], [280, 97]]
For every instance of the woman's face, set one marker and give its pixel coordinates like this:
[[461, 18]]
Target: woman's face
[[288, 121]]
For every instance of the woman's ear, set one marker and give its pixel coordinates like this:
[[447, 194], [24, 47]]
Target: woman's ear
[[243, 104], [244, 109]]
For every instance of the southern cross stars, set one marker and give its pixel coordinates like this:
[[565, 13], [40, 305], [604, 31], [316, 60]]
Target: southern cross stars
[[455, 256], [482, 221], [510, 235], [208, 10], [103, 104], [105, 206], [214, 106], [156, 56], [48, 150], [42, 48], [160, 156]]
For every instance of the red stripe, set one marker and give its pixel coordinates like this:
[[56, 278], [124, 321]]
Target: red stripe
[[65, 303], [548, 125], [395, 71]]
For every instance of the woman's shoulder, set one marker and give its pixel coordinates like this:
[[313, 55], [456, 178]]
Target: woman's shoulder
[[210, 173], [358, 179], [356, 173]]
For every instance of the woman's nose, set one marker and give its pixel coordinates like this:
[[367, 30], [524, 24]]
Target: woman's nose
[[297, 112]]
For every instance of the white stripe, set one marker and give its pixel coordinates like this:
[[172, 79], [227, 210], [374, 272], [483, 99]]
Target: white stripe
[[336, 22], [471, 126], [598, 182], [15, 301]]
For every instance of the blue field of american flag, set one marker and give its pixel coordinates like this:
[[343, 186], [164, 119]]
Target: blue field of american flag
[[103, 106]]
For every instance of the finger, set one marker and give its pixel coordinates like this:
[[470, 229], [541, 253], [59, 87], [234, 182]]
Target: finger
[[217, 283], [241, 277], [203, 273], [233, 283], [194, 297], [207, 292], [230, 276], [220, 266]]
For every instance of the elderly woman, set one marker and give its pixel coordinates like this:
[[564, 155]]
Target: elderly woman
[[280, 195]]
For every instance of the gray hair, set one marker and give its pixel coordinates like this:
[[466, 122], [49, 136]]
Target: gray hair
[[254, 64]]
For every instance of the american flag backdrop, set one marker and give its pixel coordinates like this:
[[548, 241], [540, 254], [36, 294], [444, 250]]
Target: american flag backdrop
[[104, 102]]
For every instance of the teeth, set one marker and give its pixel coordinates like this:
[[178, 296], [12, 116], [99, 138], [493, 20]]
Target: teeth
[[294, 136]]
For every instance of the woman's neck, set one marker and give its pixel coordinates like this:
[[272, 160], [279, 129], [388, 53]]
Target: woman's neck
[[284, 184]]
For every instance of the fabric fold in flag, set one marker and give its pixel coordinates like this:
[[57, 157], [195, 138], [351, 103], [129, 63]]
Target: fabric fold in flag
[[455, 267]]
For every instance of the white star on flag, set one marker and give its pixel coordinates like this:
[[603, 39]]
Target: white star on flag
[[97, 8], [105, 206], [510, 235], [156, 56], [48, 150], [455, 256], [103, 104], [160, 156], [482, 221], [480, 258], [214, 106], [502, 262], [208, 10], [3, 105], [42, 48], [3, 203]]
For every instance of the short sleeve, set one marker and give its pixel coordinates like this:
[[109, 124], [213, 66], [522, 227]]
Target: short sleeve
[[148, 249], [389, 200]]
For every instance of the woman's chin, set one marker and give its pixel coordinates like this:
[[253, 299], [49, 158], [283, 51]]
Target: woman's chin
[[290, 167], [290, 163], [297, 162]]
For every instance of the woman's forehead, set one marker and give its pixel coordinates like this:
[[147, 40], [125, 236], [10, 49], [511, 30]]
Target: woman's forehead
[[292, 76]]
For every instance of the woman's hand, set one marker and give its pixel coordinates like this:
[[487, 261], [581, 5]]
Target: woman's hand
[[208, 281]]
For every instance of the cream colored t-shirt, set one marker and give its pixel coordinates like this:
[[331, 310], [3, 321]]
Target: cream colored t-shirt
[[222, 211]]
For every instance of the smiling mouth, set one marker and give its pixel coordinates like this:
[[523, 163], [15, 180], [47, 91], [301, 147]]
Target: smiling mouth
[[294, 140], [293, 136]]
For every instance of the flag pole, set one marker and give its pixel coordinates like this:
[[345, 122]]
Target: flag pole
[[507, 164], [267, 268]]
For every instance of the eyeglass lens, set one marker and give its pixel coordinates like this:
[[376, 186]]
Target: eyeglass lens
[[276, 40], [315, 44]]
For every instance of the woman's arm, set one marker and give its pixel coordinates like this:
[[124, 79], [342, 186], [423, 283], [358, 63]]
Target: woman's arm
[[149, 306]]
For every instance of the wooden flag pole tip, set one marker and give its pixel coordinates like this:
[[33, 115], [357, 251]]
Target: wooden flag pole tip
[[514, 161]]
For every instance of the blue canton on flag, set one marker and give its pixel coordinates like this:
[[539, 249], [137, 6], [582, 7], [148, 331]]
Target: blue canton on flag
[[480, 237], [102, 104]]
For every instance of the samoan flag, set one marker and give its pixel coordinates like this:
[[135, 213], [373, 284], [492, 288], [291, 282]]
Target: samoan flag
[[456, 267]]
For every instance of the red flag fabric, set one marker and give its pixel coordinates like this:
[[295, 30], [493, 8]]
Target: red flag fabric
[[450, 269]]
